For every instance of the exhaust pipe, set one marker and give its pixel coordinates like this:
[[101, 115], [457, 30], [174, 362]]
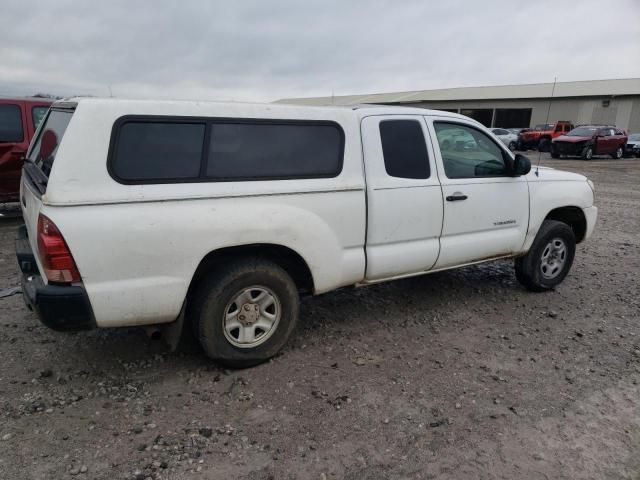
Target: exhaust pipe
[[154, 333]]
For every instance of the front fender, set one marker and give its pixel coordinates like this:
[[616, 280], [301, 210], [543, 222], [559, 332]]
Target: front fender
[[547, 196]]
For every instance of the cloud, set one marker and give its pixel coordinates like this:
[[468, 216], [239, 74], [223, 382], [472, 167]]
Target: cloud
[[257, 50]]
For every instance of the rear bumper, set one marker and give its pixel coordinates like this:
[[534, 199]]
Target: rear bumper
[[59, 307]]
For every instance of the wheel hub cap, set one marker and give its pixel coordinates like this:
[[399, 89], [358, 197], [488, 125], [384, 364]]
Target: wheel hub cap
[[554, 257], [251, 317]]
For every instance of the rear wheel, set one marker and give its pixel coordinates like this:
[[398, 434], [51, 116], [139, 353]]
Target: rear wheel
[[512, 145], [618, 153], [244, 313], [549, 259]]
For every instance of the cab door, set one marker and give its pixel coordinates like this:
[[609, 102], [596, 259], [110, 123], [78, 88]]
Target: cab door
[[486, 211], [404, 198]]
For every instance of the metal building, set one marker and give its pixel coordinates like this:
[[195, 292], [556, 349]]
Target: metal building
[[611, 102]]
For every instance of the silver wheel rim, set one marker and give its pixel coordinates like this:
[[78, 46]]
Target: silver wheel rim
[[251, 317], [619, 153], [589, 154], [553, 259]]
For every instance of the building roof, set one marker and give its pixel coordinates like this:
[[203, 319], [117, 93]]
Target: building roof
[[589, 88]]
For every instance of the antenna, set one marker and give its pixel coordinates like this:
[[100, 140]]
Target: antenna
[[553, 89], [110, 92]]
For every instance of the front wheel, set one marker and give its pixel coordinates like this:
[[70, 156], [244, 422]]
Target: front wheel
[[245, 312], [588, 153], [550, 258], [512, 146], [544, 145]]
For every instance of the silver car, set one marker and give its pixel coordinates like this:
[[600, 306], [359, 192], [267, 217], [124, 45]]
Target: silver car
[[510, 139]]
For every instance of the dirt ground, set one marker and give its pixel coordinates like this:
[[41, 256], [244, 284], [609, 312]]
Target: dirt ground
[[455, 375]]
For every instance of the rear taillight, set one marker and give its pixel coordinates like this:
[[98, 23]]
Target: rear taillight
[[56, 259]]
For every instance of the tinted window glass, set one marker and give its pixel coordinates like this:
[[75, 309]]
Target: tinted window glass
[[37, 114], [44, 150], [468, 153], [265, 150], [158, 150], [404, 149], [10, 123]]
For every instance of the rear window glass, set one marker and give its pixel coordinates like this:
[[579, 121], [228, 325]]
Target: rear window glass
[[37, 114], [10, 123], [264, 150], [44, 150], [158, 150], [404, 149]]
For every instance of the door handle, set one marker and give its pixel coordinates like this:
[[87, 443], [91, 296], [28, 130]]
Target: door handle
[[456, 197]]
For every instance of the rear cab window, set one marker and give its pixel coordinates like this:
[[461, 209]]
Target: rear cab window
[[404, 149], [11, 130], [42, 153]]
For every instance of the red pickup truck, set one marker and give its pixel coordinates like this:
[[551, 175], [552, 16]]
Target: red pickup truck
[[540, 137], [19, 118]]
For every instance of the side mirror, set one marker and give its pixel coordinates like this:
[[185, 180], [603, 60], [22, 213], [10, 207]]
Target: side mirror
[[521, 165]]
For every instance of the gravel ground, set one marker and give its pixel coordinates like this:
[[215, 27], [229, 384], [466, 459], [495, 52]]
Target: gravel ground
[[454, 375]]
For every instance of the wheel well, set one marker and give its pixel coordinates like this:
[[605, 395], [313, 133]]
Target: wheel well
[[572, 216], [285, 257]]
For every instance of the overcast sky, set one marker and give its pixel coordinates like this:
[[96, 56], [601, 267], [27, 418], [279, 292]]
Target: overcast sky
[[266, 50]]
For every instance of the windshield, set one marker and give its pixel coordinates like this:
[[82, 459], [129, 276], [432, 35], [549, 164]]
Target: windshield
[[546, 126], [43, 152], [635, 137], [582, 132]]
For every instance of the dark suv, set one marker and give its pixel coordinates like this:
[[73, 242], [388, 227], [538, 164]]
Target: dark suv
[[588, 140], [19, 118]]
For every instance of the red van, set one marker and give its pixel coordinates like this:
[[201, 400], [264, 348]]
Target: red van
[[19, 118]]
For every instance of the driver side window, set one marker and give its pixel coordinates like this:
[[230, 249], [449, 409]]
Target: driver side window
[[468, 153]]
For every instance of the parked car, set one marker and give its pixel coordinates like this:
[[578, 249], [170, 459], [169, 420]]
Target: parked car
[[589, 140], [540, 137], [633, 145], [517, 131], [19, 118], [220, 214], [510, 139]]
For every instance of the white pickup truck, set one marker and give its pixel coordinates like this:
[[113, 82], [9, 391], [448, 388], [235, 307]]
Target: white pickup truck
[[150, 212]]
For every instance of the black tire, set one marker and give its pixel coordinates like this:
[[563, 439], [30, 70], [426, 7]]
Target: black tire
[[588, 153], [512, 146], [529, 268], [213, 296], [619, 153], [544, 145]]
